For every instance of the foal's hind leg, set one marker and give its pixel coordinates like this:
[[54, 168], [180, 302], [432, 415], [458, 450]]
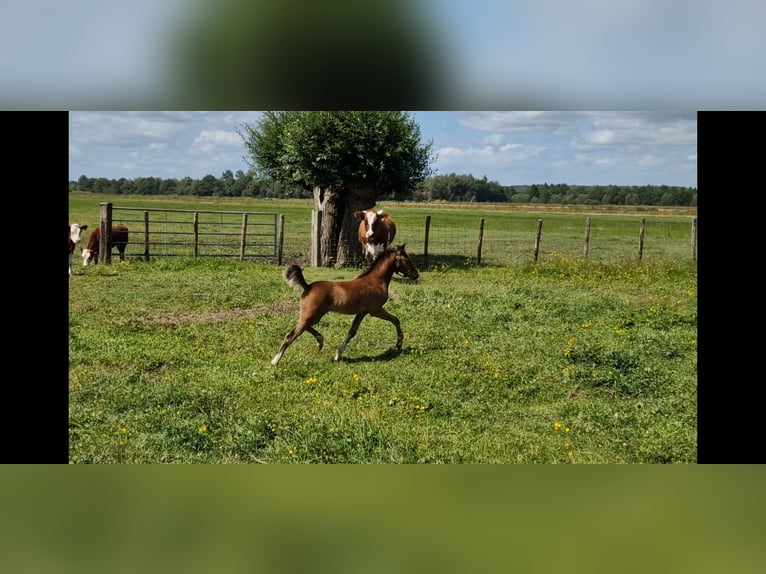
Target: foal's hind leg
[[294, 334], [289, 338], [351, 332], [383, 314], [317, 336]]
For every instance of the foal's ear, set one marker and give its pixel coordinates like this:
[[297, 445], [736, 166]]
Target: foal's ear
[[359, 214]]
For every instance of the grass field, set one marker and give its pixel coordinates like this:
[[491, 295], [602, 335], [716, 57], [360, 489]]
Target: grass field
[[567, 360], [508, 233]]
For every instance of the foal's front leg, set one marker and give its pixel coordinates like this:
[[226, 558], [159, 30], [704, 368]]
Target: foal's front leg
[[351, 332], [385, 315]]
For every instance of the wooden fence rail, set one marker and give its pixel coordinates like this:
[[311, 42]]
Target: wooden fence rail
[[248, 235], [195, 233]]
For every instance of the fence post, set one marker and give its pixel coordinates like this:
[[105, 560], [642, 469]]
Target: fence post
[[694, 239], [281, 239], [587, 236], [195, 229], [242, 237], [146, 235], [481, 238], [425, 246], [316, 235], [537, 237], [641, 238], [105, 240]]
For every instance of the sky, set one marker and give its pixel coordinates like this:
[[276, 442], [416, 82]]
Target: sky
[[509, 147], [496, 54]]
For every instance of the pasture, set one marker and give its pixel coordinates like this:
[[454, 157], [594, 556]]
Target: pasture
[[567, 360]]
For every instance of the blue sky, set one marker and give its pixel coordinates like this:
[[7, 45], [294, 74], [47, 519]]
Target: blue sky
[[499, 54], [512, 148]]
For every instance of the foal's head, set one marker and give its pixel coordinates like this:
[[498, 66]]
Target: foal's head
[[404, 265]]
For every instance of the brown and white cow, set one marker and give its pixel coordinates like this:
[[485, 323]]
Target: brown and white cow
[[376, 232], [75, 234], [119, 240]]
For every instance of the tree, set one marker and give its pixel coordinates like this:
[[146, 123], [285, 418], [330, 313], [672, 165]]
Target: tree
[[208, 186], [348, 159], [333, 54]]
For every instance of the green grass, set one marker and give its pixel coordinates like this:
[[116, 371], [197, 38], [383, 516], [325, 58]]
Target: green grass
[[508, 238], [564, 361]]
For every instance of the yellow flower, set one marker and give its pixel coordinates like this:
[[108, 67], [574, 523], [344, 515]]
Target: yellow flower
[[123, 430], [202, 429], [557, 426], [356, 377]]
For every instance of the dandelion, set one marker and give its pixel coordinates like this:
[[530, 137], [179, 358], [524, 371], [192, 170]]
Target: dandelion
[[202, 429], [466, 342], [569, 453], [586, 325], [123, 430], [566, 429], [291, 452], [557, 426], [356, 377], [311, 380]]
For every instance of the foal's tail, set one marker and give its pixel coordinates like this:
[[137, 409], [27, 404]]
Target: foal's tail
[[294, 277]]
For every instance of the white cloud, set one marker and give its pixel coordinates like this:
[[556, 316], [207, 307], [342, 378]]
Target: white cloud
[[493, 140], [209, 141], [600, 137], [525, 121]]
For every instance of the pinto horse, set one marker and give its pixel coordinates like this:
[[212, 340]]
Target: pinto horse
[[376, 232], [364, 295]]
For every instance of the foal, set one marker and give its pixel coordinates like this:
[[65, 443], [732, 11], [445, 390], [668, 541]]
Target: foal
[[361, 296]]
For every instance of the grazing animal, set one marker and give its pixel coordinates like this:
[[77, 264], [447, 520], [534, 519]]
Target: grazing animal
[[75, 231], [364, 295], [376, 232], [119, 240]]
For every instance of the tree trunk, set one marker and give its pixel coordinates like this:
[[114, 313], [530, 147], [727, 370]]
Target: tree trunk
[[339, 244], [332, 216], [349, 250]]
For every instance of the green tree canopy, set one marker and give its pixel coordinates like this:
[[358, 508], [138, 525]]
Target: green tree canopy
[[348, 159]]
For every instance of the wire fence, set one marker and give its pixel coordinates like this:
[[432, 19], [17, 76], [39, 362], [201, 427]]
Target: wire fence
[[501, 238]]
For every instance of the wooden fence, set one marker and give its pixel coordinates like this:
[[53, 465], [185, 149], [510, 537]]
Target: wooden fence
[[538, 239], [510, 241], [194, 233], [259, 235]]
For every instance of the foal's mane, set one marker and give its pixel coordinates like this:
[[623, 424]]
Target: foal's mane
[[377, 261]]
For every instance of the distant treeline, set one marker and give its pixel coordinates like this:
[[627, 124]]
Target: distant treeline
[[452, 187]]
